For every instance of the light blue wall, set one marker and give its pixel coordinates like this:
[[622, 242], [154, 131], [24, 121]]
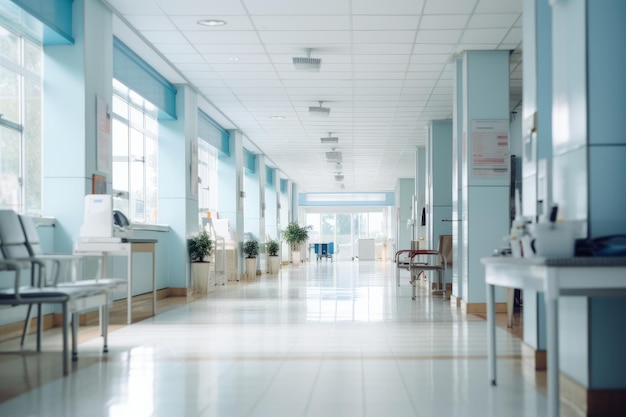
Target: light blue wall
[[74, 76], [178, 208]]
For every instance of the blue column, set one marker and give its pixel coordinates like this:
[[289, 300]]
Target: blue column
[[440, 184], [457, 184], [405, 187], [421, 180], [485, 177], [589, 150], [537, 141]]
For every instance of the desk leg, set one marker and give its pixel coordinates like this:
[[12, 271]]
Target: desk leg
[[552, 312], [154, 290], [491, 334], [129, 296]]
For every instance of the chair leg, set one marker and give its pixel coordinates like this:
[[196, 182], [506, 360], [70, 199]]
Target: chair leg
[[26, 326], [104, 322], [65, 323], [39, 326], [74, 337]]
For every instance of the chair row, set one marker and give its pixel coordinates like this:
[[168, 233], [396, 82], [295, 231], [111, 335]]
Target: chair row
[[37, 281]]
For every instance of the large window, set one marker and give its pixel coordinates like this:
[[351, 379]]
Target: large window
[[207, 175], [135, 154], [21, 63]]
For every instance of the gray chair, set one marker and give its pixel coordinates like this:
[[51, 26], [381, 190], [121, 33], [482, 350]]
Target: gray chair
[[33, 244], [40, 289]]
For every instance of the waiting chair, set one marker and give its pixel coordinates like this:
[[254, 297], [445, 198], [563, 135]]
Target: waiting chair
[[422, 260], [42, 289]]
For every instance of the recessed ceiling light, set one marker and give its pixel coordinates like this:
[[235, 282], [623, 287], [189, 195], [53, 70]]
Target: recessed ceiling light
[[277, 117], [211, 22], [234, 58]]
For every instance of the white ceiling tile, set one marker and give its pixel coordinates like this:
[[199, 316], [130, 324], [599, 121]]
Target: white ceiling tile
[[439, 22], [290, 7], [190, 23], [144, 22], [307, 38], [499, 6], [176, 48], [186, 59], [388, 23], [492, 20], [483, 35], [383, 49], [388, 7], [438, 36], [210, 8], [222, 37], [449, 6], [294, 23], [513, 37], [229, 49], [164, 37], [383, 36], [136, 7]]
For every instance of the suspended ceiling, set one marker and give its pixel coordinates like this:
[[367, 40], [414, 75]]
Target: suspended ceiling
[[386, 72]]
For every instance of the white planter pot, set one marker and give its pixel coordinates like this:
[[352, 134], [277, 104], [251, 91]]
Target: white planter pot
[[295, 257], [251, 269], [200, 277], [274, 262]]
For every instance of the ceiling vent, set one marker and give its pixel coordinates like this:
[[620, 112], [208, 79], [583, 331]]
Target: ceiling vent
[[308, 63], [330, 139], [320, 111]]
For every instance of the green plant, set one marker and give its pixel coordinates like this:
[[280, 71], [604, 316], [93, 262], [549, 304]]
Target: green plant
[[199, 246], [272, 247], [251, 248], [295, 235]]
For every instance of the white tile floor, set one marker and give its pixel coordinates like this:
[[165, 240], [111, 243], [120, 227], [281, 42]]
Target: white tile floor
[[319, 340]]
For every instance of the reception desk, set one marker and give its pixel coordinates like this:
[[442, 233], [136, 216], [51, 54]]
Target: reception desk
[[554, 277], [126, 248]]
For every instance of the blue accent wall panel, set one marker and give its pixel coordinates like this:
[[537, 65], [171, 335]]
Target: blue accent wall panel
[[56, 17], [210, 131], [139, 76]]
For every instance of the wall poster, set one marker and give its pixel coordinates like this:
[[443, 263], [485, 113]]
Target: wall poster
[[490, 148]]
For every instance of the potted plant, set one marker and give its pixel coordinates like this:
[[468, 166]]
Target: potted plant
[[272, 247], [251, 251], [295, 235], [200, 247]]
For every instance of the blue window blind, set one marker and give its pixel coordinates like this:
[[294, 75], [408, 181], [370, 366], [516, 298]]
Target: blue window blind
[[249, 161], [269, 176], [139, 76], [283, 185], [49, 21], [213, 133]]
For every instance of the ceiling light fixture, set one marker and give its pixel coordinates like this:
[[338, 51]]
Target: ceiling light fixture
[[307, 63], [330, 139], [320, 111], [211, 22], [277, 117], [334, 156]]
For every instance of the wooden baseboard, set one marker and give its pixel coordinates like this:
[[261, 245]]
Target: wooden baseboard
[[592, 402], [533, 358], [175, 292], [457, 301], [13, 330], [481, 308]]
